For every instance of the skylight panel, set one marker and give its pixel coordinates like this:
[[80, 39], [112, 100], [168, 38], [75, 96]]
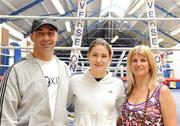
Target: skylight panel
[[118, 7]]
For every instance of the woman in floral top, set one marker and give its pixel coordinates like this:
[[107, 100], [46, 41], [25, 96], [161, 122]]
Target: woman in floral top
[[148, 103]]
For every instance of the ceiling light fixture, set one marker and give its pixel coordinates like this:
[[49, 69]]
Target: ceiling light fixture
[[114, 38], [58, 6], [68, 26]]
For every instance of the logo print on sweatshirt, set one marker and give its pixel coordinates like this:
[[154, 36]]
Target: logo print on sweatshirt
[[52, 80]]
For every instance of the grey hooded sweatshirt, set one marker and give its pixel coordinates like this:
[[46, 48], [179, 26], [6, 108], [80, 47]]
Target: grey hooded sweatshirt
[[24, 99]]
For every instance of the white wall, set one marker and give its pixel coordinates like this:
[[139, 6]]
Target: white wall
[[176, 62]]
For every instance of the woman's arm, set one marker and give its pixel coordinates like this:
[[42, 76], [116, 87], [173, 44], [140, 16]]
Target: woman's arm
[[168, 107]]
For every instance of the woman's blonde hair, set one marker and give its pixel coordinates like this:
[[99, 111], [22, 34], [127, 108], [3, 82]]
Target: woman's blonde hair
[[147, 53]]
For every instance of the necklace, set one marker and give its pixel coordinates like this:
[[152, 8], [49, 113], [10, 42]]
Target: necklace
[[142, 120]]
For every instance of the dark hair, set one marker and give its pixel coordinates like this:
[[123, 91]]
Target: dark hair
[[100, 41]]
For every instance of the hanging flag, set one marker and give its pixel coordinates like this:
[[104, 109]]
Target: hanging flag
[[78, 33], [153, 35]]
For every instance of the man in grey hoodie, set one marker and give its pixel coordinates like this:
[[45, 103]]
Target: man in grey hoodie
[[34, 90]]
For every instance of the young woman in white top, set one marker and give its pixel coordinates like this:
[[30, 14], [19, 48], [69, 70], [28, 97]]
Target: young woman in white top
[[96, 94]]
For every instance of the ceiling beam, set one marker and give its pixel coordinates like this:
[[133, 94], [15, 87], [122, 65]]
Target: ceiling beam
[[26, 7], [22, 9]]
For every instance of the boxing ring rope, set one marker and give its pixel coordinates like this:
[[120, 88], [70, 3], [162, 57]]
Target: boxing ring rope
[[4, 65], [4, 54], [165, 80], [86, 48], [168, 80]]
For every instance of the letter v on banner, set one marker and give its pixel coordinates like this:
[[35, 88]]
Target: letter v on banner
[[78, 33], [153, 35]]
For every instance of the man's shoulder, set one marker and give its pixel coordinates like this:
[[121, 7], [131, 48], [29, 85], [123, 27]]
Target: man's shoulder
[[24, 60], [19, 62]]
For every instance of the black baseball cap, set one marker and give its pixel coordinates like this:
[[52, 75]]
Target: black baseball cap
[[40, 22]]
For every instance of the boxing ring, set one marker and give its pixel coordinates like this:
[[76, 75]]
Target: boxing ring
[[166, 80]]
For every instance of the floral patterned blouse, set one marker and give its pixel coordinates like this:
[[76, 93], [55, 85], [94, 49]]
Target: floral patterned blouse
[[133, 112]]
